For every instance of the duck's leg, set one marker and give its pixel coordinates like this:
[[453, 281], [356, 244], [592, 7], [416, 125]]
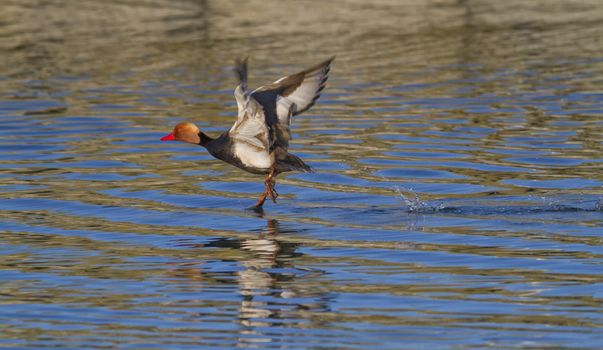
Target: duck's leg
[[269, 190], [261, 200], [270, 183]]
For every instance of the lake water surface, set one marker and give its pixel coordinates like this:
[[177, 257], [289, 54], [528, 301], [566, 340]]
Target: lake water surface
[[457, 200]]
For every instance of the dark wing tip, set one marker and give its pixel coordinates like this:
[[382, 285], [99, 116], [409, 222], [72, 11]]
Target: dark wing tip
[[240, 69], [323, 68], [241, 61], [328, 61], [325, 65]]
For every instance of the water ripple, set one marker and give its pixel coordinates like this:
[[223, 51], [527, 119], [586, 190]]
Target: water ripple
[[456, 201]]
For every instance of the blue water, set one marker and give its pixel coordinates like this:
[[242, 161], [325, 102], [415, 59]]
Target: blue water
[[457, 200]]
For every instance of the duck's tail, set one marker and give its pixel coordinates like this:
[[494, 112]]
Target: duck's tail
[[286, 161]]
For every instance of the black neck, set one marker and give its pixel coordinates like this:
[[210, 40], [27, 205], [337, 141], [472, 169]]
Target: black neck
[[205, 140]]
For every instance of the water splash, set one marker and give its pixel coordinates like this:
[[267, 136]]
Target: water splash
[[414, 203]]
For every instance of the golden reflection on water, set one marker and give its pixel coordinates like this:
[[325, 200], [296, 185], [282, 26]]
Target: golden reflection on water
[[489, 112]]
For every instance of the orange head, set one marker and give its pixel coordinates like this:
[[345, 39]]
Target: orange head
[[185, 132]]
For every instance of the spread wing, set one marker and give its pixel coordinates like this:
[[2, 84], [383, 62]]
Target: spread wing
[[250, 126], [274, 104], [301, 89]]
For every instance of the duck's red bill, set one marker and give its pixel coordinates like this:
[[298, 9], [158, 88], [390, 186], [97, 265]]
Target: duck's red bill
[[168, 137]]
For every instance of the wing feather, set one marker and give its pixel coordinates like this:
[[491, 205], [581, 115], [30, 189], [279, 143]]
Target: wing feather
[[303, 88], [251, 126], [264, 115]]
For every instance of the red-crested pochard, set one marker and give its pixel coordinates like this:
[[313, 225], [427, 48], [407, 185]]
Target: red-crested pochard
[[259, 139]]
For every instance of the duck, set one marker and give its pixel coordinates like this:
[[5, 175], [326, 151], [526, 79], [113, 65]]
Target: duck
[[259, 139]]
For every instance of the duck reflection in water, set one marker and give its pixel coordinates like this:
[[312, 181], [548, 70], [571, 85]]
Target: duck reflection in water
[[272, 289]]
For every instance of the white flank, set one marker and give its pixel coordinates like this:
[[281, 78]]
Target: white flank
[[252, 156]]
